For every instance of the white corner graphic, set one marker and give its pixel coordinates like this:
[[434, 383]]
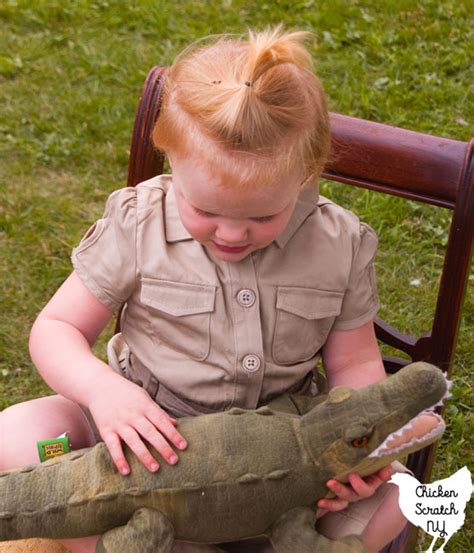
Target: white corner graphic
[[438, 508]]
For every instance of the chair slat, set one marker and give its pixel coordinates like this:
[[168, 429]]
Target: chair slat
[[396, 161]]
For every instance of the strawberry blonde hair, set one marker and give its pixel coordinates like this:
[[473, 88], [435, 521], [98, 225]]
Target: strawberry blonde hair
[[251, 108]]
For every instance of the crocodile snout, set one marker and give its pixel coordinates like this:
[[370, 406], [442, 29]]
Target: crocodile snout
[[426, 377]]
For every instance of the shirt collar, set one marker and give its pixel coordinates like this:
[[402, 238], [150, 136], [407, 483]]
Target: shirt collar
[[305, 205], [175, 231]]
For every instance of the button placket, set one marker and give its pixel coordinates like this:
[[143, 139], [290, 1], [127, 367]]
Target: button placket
[[248, 333]]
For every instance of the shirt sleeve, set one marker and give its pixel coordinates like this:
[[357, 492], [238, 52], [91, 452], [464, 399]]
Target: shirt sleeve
[[105, 259], [360, 303]]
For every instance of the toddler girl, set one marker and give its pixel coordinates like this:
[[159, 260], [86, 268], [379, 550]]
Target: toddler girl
[[235, 276]]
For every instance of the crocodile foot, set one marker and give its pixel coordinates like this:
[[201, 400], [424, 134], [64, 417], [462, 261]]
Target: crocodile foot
[[295, 531], [148, 531]]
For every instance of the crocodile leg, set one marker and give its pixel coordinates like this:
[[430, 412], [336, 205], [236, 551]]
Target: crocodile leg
[[295, 531], [148, 531]]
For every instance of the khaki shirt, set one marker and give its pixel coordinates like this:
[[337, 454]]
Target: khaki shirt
[[215, 334]]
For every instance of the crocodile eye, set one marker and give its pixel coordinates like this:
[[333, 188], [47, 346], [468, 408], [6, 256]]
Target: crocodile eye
[[360, 442]]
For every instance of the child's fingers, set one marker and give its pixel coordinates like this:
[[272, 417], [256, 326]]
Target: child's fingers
[[165, 425], [332, 505], [365, 487], [385, 473], [342, 491], [358, 488], [114, 445], [146, 429], [362, 487], [135, 443]]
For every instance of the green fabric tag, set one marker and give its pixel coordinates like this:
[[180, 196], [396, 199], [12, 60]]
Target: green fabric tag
[[48, 449]]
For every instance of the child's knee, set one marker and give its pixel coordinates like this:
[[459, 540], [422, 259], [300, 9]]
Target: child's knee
[[24, 424], [80, 545], [33, 545], [386, 524]]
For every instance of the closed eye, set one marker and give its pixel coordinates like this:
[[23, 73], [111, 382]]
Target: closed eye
[[203, 213], [256, 219], [263, 219]]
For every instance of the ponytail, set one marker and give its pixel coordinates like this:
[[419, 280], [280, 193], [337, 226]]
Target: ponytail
[[257, 97]]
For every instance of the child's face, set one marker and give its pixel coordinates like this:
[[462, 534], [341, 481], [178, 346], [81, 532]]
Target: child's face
[[230, 222]]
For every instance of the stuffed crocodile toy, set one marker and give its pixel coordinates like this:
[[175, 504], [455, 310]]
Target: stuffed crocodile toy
[[244, 474]]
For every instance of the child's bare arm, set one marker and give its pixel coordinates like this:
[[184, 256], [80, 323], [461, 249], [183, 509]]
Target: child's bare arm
[[60, 346], [352, 358]]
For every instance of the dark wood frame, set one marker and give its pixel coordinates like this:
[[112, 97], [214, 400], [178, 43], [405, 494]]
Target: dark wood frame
[[412, 165]]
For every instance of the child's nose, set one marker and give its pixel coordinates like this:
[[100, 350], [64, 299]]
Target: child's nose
[[231, 232]]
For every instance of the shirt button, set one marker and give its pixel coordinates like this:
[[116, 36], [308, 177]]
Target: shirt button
[[251, 363], [246, 297]]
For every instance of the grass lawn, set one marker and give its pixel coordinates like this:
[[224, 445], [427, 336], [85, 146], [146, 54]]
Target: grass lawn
[[70, 76]]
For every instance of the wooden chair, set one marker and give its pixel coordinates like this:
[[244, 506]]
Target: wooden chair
[[416, 166]]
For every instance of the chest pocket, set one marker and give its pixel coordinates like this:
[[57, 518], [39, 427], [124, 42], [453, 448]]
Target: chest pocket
[[180, 314], [304, 318]]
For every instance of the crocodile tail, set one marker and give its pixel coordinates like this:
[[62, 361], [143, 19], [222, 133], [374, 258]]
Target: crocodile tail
[[33, 499], [36, 500], [25, 496]]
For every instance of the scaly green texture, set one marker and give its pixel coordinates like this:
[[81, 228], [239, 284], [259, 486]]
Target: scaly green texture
[[224, 488]]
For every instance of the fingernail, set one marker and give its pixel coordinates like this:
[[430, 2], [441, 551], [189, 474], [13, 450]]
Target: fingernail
[[182, 445], [154, 467], [124, 470], [173, 459]]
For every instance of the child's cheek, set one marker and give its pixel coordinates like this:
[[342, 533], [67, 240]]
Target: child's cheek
[[199, 229], [267, 232]]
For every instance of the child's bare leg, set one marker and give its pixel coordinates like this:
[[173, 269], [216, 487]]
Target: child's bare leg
[[387, 522], [81, 545], [22, 425]]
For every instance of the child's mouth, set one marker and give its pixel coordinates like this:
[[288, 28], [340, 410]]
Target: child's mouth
[[230, 249]]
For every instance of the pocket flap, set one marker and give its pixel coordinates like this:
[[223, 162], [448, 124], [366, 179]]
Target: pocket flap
[[178, 298], [309, 303]]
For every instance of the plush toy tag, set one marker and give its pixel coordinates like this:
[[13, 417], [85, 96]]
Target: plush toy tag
[[48, 449]]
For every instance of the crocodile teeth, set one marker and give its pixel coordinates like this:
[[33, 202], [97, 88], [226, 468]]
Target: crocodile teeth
[[387, 446], [447, 395]]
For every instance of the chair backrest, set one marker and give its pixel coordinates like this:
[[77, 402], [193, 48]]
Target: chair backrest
[[428, 169], [412, 165]]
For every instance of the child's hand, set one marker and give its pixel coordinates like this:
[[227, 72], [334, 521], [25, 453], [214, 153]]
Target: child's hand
[[358, 488], [124, 411]]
